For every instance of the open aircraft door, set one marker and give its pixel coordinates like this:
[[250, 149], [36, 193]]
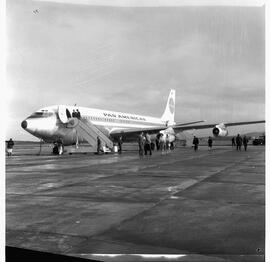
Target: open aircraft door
[[62, 113]]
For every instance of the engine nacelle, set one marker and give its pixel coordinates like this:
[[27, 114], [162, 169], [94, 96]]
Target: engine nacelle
[[170, 132], [220, 130]]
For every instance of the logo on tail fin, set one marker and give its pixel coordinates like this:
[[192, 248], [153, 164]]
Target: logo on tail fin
[[171, 105]]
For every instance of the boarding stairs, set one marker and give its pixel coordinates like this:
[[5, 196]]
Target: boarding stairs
[[86, 130]]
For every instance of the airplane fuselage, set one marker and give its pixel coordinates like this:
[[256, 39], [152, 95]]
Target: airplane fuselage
[[48, 126], [53, 123]]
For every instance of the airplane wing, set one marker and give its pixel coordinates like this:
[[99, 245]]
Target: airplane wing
[[130, 133], [190, 127]]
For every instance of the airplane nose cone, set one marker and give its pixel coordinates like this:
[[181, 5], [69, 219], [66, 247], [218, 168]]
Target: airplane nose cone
[[24, 124]]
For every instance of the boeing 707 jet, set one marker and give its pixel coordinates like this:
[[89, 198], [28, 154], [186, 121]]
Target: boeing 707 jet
[[54, 123]]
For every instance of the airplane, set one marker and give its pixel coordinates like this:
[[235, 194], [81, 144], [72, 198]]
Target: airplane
[[55, 123]]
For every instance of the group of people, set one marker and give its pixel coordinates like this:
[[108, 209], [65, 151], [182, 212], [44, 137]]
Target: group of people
[[162, 143], [76, 113], [145, 143], [238, 141], [195, 143]]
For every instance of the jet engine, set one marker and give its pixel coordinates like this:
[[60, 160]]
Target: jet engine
[[170, 132], [220, 130]]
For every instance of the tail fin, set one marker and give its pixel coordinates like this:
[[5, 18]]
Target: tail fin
[[168, 115]]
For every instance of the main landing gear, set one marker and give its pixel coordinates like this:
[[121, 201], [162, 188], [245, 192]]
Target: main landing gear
[[58, 148]]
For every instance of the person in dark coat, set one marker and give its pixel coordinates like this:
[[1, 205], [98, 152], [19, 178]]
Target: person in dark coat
[[167, 143], [98, 145], [157, 141], [147, 144], [238, 142], [141, 142], [78, 114], [210, 143], [120, 142], [10, 144], [162, 143], [233, 142], [74, 113], [245, 142], [195, 143]]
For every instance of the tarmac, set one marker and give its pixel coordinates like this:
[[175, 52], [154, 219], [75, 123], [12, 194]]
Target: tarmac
[[191, 206]]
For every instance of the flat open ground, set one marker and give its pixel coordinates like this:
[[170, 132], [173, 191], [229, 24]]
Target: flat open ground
[[207, 206]]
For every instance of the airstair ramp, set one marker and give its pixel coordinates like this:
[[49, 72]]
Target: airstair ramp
[[89, 132]]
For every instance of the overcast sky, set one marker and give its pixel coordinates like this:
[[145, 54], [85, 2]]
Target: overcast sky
[[128, 58]]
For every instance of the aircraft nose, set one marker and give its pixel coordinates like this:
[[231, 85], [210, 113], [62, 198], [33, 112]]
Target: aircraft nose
[[24, 124]]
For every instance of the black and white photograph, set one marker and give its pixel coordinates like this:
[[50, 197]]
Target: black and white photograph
[[135, 130]]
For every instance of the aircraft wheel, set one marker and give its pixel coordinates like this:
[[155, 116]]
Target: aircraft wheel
[[55, 150]]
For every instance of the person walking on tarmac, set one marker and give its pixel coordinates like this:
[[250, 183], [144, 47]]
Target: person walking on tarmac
[[141, 142], [233, 142], [98, 145], [238, 142], [162, 144], [195, 143], [10, 144], [120, 142], [167, 144], [210, 142], [245, 142], [147, 144], [157, 141]]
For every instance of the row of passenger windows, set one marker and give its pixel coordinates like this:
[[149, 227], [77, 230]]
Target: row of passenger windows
[[42, 113], [109, 120], [92, 118]]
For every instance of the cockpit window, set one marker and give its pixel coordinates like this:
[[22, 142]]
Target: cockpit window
[[42, 113], [37, 114]]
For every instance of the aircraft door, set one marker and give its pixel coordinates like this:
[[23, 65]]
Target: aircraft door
[[62, 113]]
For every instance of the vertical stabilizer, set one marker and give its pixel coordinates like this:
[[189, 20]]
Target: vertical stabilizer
[[168, 115]]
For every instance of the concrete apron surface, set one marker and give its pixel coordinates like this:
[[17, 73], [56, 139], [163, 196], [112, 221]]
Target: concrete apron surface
[[193, 206]]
